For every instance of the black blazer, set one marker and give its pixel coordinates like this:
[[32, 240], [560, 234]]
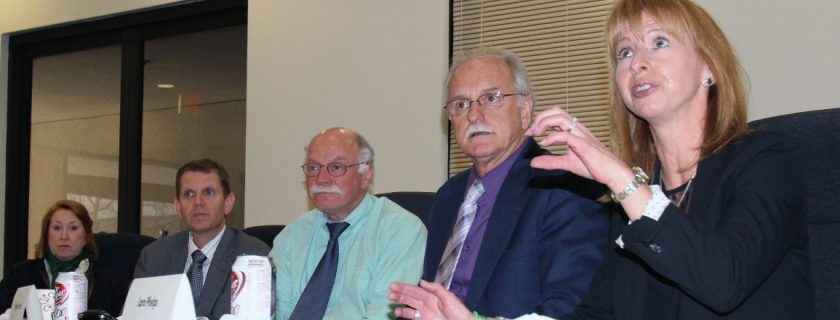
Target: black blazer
[[542, 245], [103, 291], [740, 252]]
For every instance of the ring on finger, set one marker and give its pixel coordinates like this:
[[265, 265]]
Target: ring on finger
[[573, 124], [416, 314]]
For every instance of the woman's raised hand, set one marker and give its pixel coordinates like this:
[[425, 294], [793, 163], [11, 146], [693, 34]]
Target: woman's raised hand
[[587, 157]]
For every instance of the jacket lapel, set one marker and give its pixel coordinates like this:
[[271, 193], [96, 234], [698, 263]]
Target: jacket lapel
[[218, 275], [507, 210], [708, 170], [442, 221], [176, 259]]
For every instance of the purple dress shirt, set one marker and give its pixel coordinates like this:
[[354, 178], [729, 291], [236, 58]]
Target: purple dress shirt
[[492, 183]]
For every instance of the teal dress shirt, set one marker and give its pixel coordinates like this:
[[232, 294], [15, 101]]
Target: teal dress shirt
[[384, 243]]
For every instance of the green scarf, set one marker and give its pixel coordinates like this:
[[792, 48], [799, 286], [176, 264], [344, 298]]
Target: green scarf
[[57, 265]]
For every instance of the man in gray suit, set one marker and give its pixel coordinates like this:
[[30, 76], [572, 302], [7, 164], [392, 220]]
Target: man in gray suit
[[206, 252]]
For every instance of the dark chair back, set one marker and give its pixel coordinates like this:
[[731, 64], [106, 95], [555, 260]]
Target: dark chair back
[[819, 141], [416, 202], [266, 233], [118, 253]]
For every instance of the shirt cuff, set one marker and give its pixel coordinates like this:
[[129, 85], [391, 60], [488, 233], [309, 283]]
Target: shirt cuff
[[657, 203], [654, 208]]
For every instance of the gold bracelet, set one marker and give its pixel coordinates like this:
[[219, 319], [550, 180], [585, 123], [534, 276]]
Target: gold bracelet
[[639, 178]]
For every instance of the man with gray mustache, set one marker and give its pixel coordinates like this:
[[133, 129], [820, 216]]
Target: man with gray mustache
[[378, 241], [505, 238]]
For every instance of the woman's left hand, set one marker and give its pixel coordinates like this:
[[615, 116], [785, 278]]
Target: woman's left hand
[[431, 300]]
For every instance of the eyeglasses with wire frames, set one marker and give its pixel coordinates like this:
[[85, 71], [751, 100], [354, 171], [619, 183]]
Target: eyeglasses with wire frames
[[335, 169], [490, 100]]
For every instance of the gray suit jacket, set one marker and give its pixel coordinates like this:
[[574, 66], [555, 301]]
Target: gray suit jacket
[[169, 256]]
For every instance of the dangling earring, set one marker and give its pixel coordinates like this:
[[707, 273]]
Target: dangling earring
[[709, 82]]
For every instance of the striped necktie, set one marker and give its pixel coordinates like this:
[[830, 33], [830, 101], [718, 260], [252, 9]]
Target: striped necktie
[[452, 252]]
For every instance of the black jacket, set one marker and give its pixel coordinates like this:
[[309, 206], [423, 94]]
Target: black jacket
[[739, 252], [103, 293]]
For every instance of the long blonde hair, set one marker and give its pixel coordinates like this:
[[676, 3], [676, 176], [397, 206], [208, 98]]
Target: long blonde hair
[[726, 115]]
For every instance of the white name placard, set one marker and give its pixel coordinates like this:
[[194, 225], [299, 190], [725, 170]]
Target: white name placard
[[46, 300], [27, 300], [164, 297]]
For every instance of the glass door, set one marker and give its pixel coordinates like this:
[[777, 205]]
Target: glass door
[[193, 108], [75, 132]]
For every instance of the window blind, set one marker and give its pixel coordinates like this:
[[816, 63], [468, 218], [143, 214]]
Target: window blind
[[562, 44]]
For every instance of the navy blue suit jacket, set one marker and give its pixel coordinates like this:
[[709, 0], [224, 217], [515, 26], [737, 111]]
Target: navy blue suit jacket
[[544, 240]]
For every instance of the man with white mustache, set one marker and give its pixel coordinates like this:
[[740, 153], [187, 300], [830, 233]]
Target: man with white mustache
[[380, 243], [533, 238]]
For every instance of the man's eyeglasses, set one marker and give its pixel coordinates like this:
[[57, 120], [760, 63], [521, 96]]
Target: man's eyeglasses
[[335, 169], [492, 100]]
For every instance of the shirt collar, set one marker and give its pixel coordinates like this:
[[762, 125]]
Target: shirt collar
[[209, 248], [357, 215], [498, 174]]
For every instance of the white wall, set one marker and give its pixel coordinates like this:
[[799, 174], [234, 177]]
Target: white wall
[[376, 66], [789, 50], [371, 65]]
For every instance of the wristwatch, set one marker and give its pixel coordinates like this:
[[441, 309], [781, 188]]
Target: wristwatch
[[639, 178]]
